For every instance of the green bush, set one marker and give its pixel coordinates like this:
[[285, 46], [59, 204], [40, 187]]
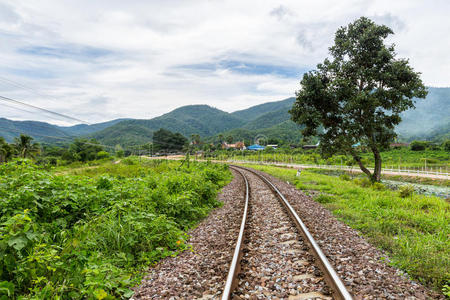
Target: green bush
[[406, 191], [364, 182], [378, 186], [120, 153], [344, 177], [130, 161], [102, 155], [446, 146], [418, 145], [87, 237]]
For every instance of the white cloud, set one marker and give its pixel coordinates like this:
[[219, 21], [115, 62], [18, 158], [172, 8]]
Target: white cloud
[[98, 60]]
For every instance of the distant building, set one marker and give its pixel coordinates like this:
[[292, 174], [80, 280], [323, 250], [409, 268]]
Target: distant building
[[256, 147], [237, 145], [311, 146], [399, 145]]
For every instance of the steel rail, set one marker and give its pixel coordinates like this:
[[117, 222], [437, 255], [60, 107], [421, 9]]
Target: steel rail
[[235, 262], [339, 290]]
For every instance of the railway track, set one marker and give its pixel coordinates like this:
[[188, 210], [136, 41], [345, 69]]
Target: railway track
[[275, 255]]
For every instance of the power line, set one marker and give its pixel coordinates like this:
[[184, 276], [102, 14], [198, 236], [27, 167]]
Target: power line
[[21, 109], [21, 86], [7, 99]]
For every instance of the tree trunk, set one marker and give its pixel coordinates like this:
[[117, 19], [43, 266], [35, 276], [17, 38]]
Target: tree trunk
[[376, 176], [361, 166]]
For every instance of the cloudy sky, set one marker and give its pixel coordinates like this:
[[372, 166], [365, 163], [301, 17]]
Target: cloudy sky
[[101, 60]]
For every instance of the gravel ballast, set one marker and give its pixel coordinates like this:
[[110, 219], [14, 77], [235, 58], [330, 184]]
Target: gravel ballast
[[276, 263]]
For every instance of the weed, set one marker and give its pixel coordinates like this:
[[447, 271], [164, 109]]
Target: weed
[[344, 177], [363, 182], [378, 186], [324, 198], [406, 191]]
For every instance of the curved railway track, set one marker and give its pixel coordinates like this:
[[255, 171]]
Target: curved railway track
[[275, 255]]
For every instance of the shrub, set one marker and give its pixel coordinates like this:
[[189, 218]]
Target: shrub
[[406, 191], [102, 155], [446, 146], [78, 237], [129, 161], [418, 145], [344, 177], [120, 153], [446, 290], [364, 182], [378, 186]]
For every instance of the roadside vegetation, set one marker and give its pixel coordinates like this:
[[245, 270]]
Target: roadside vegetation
[[90, 233], [412, 229], [399, 178]]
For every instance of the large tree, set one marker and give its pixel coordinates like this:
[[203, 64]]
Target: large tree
[[356, 96], [83, 150], [166, 140]]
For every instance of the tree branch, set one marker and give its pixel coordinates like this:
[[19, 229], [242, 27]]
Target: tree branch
[[361, 166]]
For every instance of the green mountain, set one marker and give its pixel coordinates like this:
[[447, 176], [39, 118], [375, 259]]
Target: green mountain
[[49, 133], [430, 120], [124, 133], [284, 131], [437, 134], [82, 129], [40, 131], [192, 119], [257, 111], [269, 119]]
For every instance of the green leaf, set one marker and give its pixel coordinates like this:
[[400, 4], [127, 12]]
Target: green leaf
[[7, 288], [18, 242]]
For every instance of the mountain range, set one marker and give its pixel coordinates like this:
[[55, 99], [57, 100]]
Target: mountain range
[[430, 120]]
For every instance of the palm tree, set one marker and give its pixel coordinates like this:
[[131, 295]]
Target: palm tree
[[25, 147], [6, 151]]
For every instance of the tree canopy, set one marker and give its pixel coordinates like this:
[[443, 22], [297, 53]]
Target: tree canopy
[[356, 96], [166, 140], [25, 146]]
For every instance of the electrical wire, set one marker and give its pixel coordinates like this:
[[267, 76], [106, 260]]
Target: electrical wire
[[7, 99]]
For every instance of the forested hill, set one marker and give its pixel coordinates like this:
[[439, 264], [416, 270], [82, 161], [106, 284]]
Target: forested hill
[[430, 120], [192, 119], [257, 111], [50, 133]]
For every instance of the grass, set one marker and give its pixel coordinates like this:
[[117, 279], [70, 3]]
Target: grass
[[410, 179], [414, 230]]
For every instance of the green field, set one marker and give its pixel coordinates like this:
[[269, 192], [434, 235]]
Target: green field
[[89, 232], [413, 230]]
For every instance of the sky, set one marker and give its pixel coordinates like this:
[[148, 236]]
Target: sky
[[107, 59]]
